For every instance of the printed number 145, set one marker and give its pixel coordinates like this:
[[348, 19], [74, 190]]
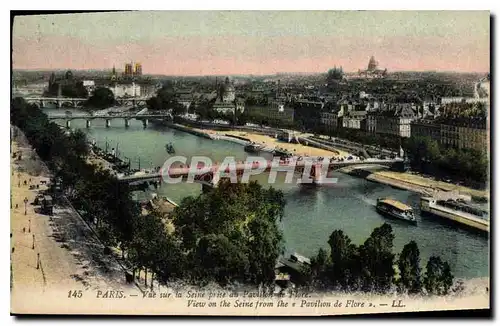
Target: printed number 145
[[75, 294]]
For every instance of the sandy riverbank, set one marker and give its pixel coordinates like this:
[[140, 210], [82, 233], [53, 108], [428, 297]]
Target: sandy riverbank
[[271, 142], [402, 180], [419, 181], [421, 185]]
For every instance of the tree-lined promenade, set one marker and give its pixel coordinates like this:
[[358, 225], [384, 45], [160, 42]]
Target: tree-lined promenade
[[227, 235]]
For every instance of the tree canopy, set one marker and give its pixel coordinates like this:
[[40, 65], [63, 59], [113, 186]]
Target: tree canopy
[[370, 267], [237, 219], [102, 97], [166, 99]]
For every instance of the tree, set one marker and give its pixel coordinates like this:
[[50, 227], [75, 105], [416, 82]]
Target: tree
[[409, 269], [265, 235], [102, 97], [342, 255], [438, 278], [220, 259], [166, 99], [239, 217], [377, 273], [320, 264], [78, 143]]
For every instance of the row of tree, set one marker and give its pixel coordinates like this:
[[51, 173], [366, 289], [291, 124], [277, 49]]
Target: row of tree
[[372, 266], [166, 99], [226, 235], [68, 89], [361, 136], [94, 191], [427, 155]]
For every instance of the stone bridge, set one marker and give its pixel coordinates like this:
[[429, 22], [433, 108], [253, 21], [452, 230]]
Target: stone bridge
[[144, 117], [71, 102], [209, 176]]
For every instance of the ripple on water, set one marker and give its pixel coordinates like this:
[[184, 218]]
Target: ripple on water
[[311, 213]]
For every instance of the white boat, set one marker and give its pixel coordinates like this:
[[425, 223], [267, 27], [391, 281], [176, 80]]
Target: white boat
[[395, 209]]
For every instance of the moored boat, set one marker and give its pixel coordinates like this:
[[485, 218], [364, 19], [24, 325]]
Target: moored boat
[[395, 209], [253, 147], [457, 211]]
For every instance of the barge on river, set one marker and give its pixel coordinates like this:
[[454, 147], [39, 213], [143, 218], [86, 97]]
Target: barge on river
[[395, 209], [458, 212], [253, 147]]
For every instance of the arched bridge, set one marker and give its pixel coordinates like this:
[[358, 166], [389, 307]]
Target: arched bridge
[[72, 102], [59, 102], [106, 116], [208, 178]]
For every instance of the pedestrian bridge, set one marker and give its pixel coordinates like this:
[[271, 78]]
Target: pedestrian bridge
[[206, 175]]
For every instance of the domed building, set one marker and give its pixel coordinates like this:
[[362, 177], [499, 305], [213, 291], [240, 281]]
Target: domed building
[[226, 98], [226, 92], [372, 71]]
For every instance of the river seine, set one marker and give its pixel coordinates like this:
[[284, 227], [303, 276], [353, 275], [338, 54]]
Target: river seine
[[311, 213]]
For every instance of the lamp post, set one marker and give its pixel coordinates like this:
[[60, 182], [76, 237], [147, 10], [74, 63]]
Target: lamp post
[[25, 202]]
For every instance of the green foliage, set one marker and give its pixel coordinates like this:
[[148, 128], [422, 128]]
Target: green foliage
[[370, 267], [376, 255], [409, 269], [438, 278], [360, 136], [425, 154], [102, 97], [166, 99], [239, 218], [68, 89], [320, 264], [152, 248], [94, 192], [220, 259], [343, 255]]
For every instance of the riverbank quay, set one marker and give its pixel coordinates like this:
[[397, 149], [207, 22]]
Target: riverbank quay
[[52, 252], [271, 143], [412, 182], [38, 261], [266, 137], [351, 147]]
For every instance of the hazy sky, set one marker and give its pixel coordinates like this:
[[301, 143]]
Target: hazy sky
[[254, 42]]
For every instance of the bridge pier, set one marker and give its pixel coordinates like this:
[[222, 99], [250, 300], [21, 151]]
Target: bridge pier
[[145, 123], [108, 123], [87, 123], [127, 123], [316, 173], [68, 124]]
